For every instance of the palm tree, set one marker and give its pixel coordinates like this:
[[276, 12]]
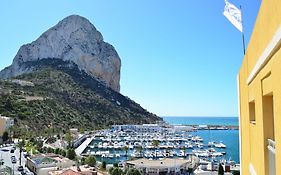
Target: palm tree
[[169, 150], [155, 144], [139, 149], [126, 148], [184, 150], [20, 145]]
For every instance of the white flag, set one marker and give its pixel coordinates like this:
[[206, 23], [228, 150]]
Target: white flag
[[233, 14]]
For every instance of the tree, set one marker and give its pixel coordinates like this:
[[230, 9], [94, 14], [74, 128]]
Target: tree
[[8, 105], [20, 145], [91, 161], [63, 152], [5, 136], [50, 150], [221, 170], [68, 138], [169, 150], [71, 154], [189, 170], [57, 151], [126, 148], [115, 171], [133, 171], [82, 161], [103, 165], [115, 164], [155, 144], [184, 150], [30, 147], [236, 172], [139, 149]]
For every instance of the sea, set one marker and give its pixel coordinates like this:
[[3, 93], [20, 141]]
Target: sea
[[228, 121], [229, 137]]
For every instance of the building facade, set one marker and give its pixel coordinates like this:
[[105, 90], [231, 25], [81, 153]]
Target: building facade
[[42, 164], [259, 86], [164, 166], [5, 123]]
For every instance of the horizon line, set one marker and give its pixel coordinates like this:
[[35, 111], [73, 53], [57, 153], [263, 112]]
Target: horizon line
[[194, 116]]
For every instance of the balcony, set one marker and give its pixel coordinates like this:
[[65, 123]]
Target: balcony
[[271, 156]]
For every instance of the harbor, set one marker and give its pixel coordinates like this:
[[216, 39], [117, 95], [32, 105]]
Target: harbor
[[122, 143]]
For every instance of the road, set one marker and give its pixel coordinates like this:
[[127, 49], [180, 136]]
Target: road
[[6, 155]]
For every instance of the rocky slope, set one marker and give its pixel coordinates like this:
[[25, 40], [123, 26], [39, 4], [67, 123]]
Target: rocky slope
[[72, 39], [64, 97]]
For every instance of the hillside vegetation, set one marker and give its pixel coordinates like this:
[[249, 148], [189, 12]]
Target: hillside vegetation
[[60, 96]]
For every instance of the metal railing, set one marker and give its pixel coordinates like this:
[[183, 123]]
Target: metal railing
[[271, 157]]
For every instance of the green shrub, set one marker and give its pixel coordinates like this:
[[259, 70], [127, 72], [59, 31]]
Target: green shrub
[[115, 164], [57, 151], [63, 152], [5, 136], [103, 165], [133, 171], [71, 154], [50, 150], [115, 171], [91, 161], [236, 172]]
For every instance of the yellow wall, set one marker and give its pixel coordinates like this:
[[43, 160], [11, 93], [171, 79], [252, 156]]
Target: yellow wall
[[267, 83]]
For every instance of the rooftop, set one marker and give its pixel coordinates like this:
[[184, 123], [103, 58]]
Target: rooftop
[[48, 158], [4, 117], [72, 171], [164, 163]]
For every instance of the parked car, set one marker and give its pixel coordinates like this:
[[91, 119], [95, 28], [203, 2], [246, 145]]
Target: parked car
[[5, 150], [26, 155], [20, 168], [13, 159]]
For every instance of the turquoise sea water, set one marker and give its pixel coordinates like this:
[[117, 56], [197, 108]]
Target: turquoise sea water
[[202, 120], [229, 137]]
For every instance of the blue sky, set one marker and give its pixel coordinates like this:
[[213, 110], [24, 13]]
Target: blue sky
[[179, 58]]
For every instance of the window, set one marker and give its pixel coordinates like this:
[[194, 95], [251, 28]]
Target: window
[[252, 112], [268, 116]]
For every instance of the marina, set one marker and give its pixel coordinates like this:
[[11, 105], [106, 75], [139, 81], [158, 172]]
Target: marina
[[153, 141]]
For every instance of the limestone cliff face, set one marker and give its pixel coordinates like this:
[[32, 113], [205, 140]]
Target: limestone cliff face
[[72, 39]]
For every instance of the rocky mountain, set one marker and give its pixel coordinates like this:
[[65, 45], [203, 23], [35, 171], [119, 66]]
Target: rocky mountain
[[69, 77], [72, 39]]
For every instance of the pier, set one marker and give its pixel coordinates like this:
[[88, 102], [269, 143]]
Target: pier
[[213, 127]]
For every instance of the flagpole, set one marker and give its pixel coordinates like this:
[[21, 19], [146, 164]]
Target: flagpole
[[243, 39]]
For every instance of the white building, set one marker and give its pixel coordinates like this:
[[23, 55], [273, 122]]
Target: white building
[[164, 166], [41, 164], [138, 128], [182, 128]]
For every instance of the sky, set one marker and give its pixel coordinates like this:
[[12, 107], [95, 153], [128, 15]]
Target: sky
[[179, 58]]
